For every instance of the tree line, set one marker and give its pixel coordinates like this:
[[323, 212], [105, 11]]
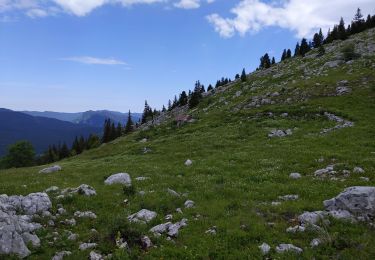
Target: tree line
[[339, 32]]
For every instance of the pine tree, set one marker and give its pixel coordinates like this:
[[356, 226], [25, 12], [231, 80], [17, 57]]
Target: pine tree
[[175, 102], [316, 41], [341, 31], [304, 48], [113, 132], [203, 89], [82, 144], [196, 95], [119, 130], [210, 87], [64, 151], [147, 112], [169, 105], [243, 75], [163, 109], [297, 50], [283, 56], [129, 124], [265, 62], [237, 76], [273, 62], [288, 54], [321, 51], [106, 132], [183, 99]]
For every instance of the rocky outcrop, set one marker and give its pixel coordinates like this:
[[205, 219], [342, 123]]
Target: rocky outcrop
[[280, 133], [169, 228], [358, 201], [16, 222], [83, 189], [119, 178]]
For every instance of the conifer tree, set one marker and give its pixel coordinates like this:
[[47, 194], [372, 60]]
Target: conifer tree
[[243, 75], [273, 62], [283, 56], [288, 54], [129, 124], [118, 129], [341, 31], [64, 151], [169, 105], [196, 95], [297, 50], [237, 76], [210, 87], [183, 99], [304, 48], [113, 132], [163, 109]]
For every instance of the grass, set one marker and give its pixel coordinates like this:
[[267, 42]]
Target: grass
[[237, 172]]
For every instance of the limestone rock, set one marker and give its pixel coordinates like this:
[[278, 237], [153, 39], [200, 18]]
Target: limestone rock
[[295, 175], [85, 214], [143, 215], [288, 248], [61, 255], [95, 256], [51, 169], [265, 248], [121, 178], [358, 201], [189, 204], [188, 162], [85, 246]]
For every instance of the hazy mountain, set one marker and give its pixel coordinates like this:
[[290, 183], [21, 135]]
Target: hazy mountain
[[91, 118], [40, 131]]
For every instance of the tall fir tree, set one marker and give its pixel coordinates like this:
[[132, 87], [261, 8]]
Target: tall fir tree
[[243, 75], [288, 54], [129, 123], [297, 50], [183, 99], [283, 56], [341, 31]]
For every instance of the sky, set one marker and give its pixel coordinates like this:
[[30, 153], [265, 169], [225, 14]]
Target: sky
[[78, 55]]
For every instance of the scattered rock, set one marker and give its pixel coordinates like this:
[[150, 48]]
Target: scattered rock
[[121, 178], [280, 133], [188, 162], [73, 237], [144, 140], [85, 214], [211, 231], [31, 238], [173, 193], [265, 248], [142, 178], [69, 222], [358, 170], [289, 197], [146, 242], [168, 217], [288, 247], [295, 229], [95, 256], [83, 189], [61, 255], [358, 201], [342, 123], [142, 216], [85, 246], [315, 242], [51, 169], [333, 64], [189, 204], [52, 189], [169, 228], [179, 210], [295, 175], [364, 178], [311, 218]]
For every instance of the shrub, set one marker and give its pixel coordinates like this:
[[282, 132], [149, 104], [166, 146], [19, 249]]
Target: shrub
[[349, 53]]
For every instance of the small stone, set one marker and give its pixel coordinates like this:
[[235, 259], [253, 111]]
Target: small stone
[[146, 242], [85, 246], [189, 204], [364, 178], [358, 170], [52, 189], [85, 214], [295, 229], [73, 237], [179, 210], [188, 162], [288, 247], [142, 216], [295, 175], [315, 242], [289, 197], [95, 256], [61, 255], [168, 217], [173, 193], [265, 248], [211, 231]]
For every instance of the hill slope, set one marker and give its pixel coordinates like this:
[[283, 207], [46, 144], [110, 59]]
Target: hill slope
[[40, 131], [324, 109]]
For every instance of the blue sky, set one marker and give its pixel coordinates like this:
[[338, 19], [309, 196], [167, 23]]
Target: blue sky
[[113, 54]]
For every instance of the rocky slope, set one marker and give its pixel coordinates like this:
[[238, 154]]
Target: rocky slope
[[281, 166]]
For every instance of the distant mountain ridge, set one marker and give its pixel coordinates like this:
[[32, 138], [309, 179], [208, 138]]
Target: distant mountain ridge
[[40, 131], [91, 118]]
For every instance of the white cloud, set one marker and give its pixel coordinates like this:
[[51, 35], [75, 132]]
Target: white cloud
[[95, 61], [303, 17], [190, 4], [36, 12]]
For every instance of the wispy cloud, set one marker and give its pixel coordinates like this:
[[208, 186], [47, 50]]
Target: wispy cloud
[[95, 61]]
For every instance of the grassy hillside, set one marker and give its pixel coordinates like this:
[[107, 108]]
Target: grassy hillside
[[237, 170]]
